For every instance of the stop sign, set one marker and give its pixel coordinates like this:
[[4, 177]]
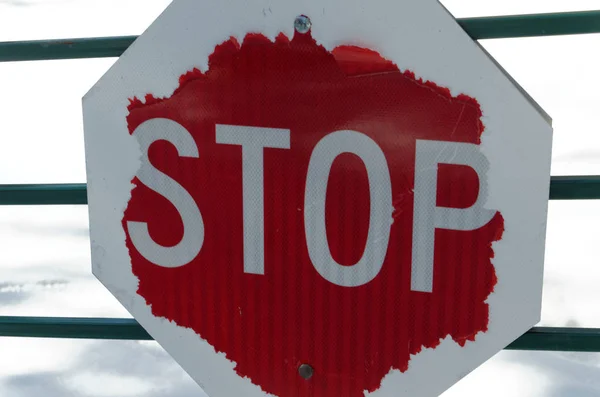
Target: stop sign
[[318, 198]]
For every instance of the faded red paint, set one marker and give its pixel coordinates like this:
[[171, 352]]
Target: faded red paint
[[270, 324]]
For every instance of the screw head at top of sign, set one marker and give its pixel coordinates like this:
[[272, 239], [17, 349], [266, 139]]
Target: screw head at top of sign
[[302, 24]]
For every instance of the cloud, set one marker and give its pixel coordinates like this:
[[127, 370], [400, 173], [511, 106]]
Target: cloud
[[45, 384], [569, 374], [107, 369], [464, 8], [14, 293], [27, 3], [502, 375], [48, 230], [583, 156], [144, 367], [574, 390], [8, 298]]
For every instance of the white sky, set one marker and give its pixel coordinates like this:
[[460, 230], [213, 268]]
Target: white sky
[[44, 252]]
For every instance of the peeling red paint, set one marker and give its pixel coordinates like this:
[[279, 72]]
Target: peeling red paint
[[271, 324]]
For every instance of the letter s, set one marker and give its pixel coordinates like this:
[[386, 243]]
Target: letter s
[[193, 226]]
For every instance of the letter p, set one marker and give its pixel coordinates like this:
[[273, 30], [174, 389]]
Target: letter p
[[427, 216]]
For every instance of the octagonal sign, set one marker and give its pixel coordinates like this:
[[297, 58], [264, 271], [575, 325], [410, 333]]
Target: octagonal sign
[[318, 198]]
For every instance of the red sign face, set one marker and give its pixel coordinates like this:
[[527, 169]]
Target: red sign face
[[299, 206]]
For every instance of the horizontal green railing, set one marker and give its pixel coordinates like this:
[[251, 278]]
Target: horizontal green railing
[[511, 26], [538, 338], [575, 187], [532, 25], [514, 26], [561, 188], [44, 194]]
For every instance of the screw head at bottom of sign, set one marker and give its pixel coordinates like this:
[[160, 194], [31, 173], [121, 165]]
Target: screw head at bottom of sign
[[306, 371], [302, 24]]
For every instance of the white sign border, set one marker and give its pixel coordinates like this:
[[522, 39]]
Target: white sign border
[[418, 35]]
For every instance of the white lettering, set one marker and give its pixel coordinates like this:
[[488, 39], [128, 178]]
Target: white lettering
[[380, 187], [253, 141], [193, 226], [427, 216]]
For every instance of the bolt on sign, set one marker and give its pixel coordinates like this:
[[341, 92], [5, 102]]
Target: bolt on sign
[[318, 198]]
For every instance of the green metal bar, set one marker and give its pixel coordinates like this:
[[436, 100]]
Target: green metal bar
[[54, 194], [40, 50], [538, 338], [561, 188], [575, 187], [532, 25], [73, 328], [495, 27], [559, 339]]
